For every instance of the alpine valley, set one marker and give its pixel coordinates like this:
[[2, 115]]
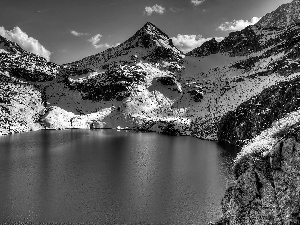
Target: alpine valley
[[243, 90]]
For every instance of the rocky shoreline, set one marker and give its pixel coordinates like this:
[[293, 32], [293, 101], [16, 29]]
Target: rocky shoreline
[[266, 171]]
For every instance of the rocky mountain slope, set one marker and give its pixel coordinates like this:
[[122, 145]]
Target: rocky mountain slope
[[285, 15], [256, 59], [22, 98], [258, 113], [133, 85], [266, 185], [16, 62], [21, 105]]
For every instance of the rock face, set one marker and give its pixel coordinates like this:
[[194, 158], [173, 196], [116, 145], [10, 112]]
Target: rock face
[[21, 106], [266, 187]]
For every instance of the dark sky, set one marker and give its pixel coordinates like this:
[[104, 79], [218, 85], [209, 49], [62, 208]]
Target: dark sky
[[99, 24]]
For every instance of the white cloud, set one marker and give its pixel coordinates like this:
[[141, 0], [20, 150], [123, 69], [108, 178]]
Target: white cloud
[[95, 40], [197, 2], [187, 43], [154, 9], [77, 34], [236, 25], [27, 43]]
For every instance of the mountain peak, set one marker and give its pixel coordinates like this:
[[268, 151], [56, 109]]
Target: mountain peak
[[149, 25], [285, 15], [150, 29], [151, 36], [148, 43]]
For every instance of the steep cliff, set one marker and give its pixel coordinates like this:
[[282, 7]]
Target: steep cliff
[[266, 185]]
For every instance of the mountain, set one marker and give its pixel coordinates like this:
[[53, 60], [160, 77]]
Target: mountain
[[238, 43], [131, 85], [266, 171], [16, 62], [21, 97], [266, 32], [284, 16], [147, 44], [146, 76]]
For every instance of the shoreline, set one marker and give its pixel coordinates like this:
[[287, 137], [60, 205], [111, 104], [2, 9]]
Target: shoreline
[[122, 129]]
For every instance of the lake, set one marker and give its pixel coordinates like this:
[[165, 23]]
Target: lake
[[112, 177]]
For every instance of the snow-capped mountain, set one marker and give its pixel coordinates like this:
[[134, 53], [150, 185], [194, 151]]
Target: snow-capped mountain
[[286, 15], [147, 44], [114, 73], [147, 78], [16, 62]]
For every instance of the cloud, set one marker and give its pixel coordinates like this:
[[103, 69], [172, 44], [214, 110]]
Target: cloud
[[154, 9], [95, 40], [197, 2], [78, 34], [236, 25], [187, 43], [27, 43]]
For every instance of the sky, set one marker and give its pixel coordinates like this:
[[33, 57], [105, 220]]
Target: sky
[[63, 31]]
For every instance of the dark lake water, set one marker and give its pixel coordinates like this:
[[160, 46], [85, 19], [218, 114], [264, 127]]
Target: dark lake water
[[111, 177]]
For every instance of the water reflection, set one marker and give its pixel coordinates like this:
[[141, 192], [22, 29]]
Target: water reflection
[[105, 176]]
